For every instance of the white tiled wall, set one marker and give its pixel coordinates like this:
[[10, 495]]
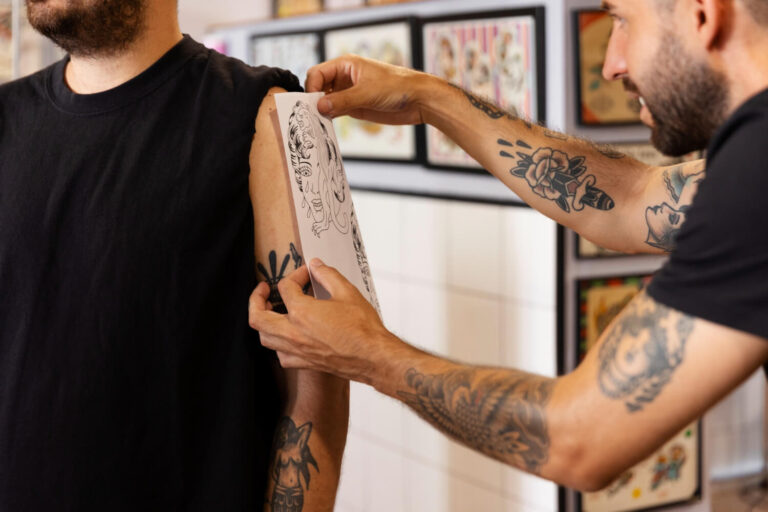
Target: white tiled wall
[[472, 282]]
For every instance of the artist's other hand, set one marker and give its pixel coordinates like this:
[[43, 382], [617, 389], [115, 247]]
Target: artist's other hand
[[370, 90], [343, 336]]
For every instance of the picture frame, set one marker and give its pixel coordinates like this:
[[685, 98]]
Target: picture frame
[[294, 51], [673, 474], [498, 55], [289, 8], [599, 102], [394, 41], [338, 5]]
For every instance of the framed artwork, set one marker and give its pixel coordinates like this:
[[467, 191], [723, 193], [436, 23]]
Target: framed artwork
[[296, 52], [599, 101], [587, 250], [335, 5], [6, 41], [391, 42], [287, 8], [672, 475], [498, 56]]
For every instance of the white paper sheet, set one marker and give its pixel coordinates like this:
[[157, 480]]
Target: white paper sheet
[[325, 216]]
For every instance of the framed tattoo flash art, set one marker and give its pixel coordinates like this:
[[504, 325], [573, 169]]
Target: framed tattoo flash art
[[287, 8], [498, 58], [391, 42], [296, 52], [672, 475], [6, 41], [599, 101]]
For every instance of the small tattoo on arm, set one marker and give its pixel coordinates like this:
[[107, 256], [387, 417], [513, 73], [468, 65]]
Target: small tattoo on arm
[[274, 275], [491, 110], [641, 352], [291, 459], [555, 176], [665, 220], [501, 414]]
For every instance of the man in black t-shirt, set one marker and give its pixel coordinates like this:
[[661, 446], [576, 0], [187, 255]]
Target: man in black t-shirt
[[699, 70], [133, 176]]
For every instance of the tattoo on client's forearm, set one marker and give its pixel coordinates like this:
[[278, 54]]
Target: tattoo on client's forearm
[[291, 459], [641, 352], [274, 275], [491, 110], [555, 176], [500, 413], [665, 220]]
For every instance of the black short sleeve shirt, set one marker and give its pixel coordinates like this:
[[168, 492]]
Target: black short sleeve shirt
[[719, 270]]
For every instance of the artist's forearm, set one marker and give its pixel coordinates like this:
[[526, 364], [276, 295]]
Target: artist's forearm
[[590, 188], [309, 444]]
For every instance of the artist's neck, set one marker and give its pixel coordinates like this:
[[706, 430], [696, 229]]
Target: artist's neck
[[89, 75]]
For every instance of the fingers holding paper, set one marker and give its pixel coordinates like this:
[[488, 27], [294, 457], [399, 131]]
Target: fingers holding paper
[[340, 336]]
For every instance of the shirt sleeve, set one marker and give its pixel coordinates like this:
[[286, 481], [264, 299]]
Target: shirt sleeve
[[719, 270]]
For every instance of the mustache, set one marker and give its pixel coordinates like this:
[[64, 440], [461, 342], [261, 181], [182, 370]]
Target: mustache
[[630, 86]]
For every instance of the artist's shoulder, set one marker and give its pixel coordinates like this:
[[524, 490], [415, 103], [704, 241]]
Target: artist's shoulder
[[27, 88]]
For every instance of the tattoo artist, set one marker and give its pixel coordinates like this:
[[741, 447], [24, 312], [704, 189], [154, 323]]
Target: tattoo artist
[[698, 68]]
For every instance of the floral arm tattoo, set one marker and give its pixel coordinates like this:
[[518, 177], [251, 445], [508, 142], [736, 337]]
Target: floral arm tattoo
[[500, 413], [641, 352]]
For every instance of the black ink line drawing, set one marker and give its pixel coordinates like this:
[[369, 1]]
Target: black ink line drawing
[[362, 262], [318, 170], [553, 175], [641, 352], [290, 470], [665, 220], [274, 276]]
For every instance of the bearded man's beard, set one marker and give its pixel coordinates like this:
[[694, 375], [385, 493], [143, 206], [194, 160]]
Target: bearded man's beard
[[89, 28], [687, 99]]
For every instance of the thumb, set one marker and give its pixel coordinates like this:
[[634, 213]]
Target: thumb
[[329, 278], [342, 103]]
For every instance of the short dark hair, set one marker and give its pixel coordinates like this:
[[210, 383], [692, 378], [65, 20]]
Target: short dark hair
[[758, 9]]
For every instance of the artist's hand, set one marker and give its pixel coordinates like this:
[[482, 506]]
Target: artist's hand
[[370, 90], [343, 336]]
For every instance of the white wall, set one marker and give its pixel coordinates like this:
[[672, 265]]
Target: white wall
[[198, 16]]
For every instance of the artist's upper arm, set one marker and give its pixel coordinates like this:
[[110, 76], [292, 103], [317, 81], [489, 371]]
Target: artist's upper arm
[[276, 239], [653, 372]]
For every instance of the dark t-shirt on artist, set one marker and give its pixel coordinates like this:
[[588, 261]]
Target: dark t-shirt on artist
[[719, 270], [129, 378]]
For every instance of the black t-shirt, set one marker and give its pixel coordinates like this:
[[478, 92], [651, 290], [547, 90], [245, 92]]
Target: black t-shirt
[[719, 270], [129, 377]]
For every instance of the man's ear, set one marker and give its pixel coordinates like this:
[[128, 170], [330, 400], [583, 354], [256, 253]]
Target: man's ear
[[710, 18]]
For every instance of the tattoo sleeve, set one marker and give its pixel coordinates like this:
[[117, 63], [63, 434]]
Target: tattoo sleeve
[[666, 219], [641, 352], [291, 460], [501, 413], [273, 275], [554, 175]]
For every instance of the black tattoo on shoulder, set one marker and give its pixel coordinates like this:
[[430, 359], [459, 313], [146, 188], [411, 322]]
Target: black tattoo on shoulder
[[291, 459], [274, 275], [491, 110], [553, 175], [502, 415], [666, 219], [641, 352]]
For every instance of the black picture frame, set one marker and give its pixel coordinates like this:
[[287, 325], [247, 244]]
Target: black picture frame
[[419, 132], [579, 350], [319, 50], [538, 15], [581, 120]]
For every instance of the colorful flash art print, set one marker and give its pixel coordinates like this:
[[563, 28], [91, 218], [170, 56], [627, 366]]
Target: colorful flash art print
[[669, 476], [493, 58], [6, 42], [600, 101], [286, 8], [294, 52], [325, 216], [390, 43]]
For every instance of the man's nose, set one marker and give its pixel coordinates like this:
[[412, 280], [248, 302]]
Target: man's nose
[[615, 65]]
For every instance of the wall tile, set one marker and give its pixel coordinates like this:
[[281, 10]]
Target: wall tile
[[465, 496], [379, 217], [389, 291], [353, 494], [532, 491], [474, 250], [360, 406], [387, 483], [474, 329], [423, 442], [429, 488], [387, 419], [424, 320], [424, 241], [529, 339], [529, 258]]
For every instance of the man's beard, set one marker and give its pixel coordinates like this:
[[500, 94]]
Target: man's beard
[[687, 99], [89, 28]]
